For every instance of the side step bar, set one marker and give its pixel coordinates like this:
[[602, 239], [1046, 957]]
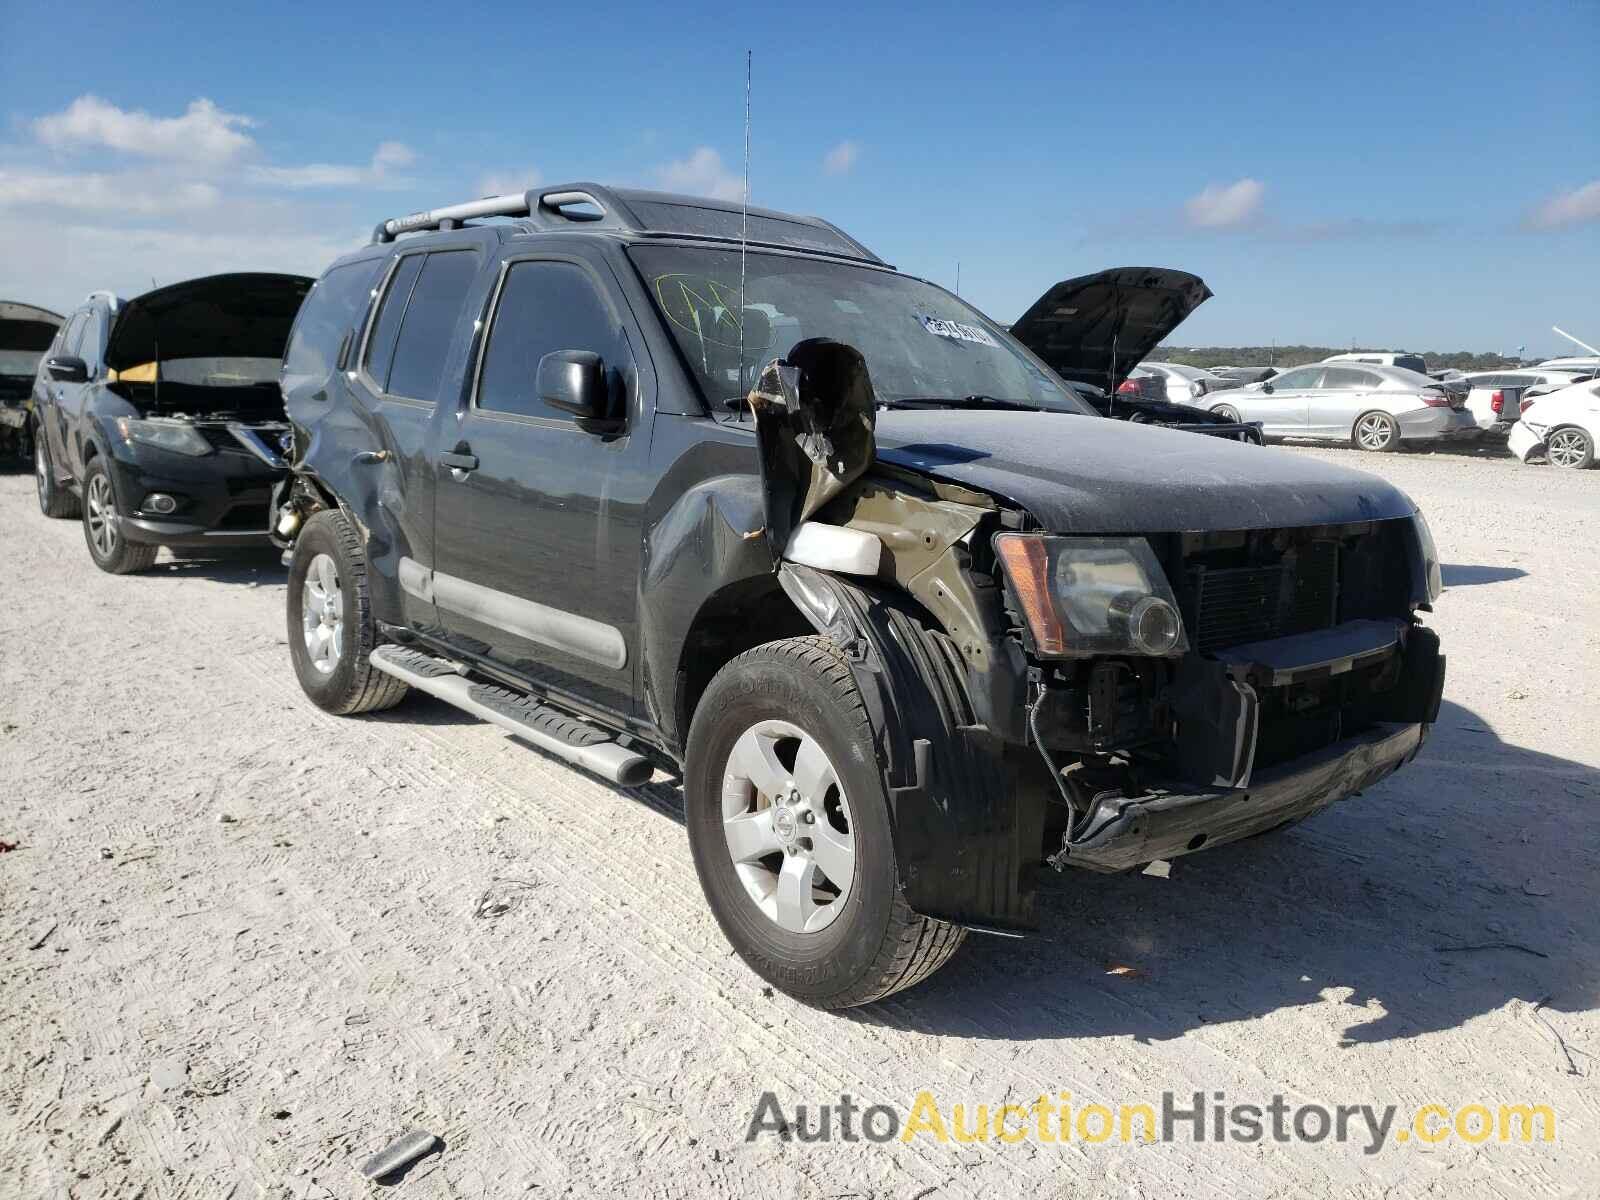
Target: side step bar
[[567, 738]]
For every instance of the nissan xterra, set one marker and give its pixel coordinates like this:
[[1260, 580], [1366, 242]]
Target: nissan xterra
[[659, 485]]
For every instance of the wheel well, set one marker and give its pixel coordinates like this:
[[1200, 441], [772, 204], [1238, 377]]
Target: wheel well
[[732, 620]]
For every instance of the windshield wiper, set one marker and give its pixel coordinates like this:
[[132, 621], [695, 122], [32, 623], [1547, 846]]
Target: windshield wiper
[[964, 402]]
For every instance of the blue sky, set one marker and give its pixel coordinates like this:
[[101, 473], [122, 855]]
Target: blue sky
[[1424, 177]]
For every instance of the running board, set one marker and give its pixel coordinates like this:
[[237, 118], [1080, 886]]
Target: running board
[[554, 732]]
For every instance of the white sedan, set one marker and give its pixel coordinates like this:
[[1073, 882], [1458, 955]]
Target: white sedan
[[1565, 425]]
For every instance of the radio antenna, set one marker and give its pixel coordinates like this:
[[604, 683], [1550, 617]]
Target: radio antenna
[[744, 213]]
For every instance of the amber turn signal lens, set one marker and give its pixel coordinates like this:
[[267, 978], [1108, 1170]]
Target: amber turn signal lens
[[1027, 563]]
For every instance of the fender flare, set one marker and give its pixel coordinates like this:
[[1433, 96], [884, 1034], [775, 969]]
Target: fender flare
[[967, 842]]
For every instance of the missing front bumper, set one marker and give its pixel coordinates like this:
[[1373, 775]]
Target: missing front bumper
[[1127, 832]]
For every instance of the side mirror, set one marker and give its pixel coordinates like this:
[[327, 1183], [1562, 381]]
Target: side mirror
[[575, 381], [67, 368], [1266, 387]]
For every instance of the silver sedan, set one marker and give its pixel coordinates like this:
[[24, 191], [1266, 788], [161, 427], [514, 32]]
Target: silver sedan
[[1371, 407]]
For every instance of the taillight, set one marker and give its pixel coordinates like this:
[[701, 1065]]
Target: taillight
[[1497, 402], [1128, 388], [1435, 399]]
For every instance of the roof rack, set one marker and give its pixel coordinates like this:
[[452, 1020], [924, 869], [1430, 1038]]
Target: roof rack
[[650, 214]]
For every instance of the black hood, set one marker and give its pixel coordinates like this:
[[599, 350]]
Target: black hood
[[1087, 475], [1096, 328], [220, 316]]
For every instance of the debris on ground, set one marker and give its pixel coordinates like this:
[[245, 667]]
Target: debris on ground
[[1492, 946], [400, 1154]]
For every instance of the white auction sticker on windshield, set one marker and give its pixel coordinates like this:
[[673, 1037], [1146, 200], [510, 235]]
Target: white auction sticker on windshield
[[958, 330]]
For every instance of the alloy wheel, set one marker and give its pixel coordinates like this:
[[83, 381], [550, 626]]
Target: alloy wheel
[[787, 824], [102, 515], [1373, 432], [41, 473], [1567, 447], [322, 614]]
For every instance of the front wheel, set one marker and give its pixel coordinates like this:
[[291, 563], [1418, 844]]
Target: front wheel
[[1569, 447], [332, 632], [1376, 431], [789, 827], [102, 526]]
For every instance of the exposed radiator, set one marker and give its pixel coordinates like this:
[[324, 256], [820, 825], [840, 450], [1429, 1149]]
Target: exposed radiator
[[1235, 605]]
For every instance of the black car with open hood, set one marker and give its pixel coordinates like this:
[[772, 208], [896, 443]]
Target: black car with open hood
[[162, 416], [26, 332], [657, 483], [1095, 329]]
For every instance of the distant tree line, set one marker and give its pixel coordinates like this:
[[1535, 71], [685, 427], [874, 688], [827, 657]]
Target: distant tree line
[[1293, 356]]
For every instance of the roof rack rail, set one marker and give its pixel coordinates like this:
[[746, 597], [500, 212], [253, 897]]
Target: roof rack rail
[[550, 206]]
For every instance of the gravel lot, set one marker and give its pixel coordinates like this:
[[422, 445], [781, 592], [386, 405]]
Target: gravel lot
[[246, 944]]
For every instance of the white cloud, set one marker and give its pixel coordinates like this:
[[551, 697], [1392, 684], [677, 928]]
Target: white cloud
[[841, 158], [701, 174], [1225, 206], [1579, 206], [378, 172], [504, 183], [129, 193], [57, 263], [204, 133]]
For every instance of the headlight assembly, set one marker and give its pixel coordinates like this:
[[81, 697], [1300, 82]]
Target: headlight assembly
[[1088, 596], [177, 436]]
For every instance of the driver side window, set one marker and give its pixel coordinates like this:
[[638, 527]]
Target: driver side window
[[1305, 377]]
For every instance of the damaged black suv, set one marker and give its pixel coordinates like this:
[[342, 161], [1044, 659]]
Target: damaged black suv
[[658, 485], [159, 420]]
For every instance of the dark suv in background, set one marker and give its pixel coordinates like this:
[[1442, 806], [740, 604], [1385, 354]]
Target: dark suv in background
[[159, 420], [657, 484]]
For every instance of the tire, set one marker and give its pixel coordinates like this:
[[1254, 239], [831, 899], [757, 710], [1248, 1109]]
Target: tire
[[1227, 412], [108, 546], [1569, 446], [54, 500], [797, 697], [1377, 432], [332, 633]]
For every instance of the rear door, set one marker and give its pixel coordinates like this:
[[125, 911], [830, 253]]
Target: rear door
[[411, 367], [539, 521], [1339, 397]]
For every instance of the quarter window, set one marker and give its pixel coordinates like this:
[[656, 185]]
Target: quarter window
[[545, 307], [430, 324], [380, 349], [331, 313]]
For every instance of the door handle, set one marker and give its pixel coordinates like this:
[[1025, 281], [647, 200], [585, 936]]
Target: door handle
[[459, 462]]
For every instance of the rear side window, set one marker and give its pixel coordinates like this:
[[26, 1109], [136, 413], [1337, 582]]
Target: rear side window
[[545, 307], [380, 345], [331, 314], [430, 324], [1349, 378]]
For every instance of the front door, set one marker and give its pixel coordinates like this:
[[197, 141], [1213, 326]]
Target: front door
[[1282, 409], [539, 521]]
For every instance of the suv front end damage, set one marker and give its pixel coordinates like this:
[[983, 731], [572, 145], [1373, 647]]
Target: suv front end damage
[[1108, 694]]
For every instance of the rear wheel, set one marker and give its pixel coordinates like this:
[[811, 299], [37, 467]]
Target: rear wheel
[[1569, 447], [332, 632], [789, 827], [1376, 431], [102, 526], [54, 500], [1227, 412]]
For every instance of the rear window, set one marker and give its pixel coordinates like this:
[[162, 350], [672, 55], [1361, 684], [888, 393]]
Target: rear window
[[329, 318]]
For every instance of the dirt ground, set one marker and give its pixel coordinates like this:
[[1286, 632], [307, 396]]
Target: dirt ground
[[243, 944]]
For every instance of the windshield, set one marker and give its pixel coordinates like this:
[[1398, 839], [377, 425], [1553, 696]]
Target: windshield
[[920, 342], [20, 362]]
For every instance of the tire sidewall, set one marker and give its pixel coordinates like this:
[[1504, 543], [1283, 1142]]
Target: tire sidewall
[[812, 966], [331, 690], [44, 484]]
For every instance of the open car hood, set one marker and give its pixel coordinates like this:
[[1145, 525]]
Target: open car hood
[[26, 326], [1096, 328], [219, 316]]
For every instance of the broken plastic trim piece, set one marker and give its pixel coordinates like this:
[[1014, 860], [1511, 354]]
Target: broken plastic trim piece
[[400, 1153]]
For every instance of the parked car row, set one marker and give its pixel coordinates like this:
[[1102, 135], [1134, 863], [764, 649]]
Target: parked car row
[[658, 484]]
